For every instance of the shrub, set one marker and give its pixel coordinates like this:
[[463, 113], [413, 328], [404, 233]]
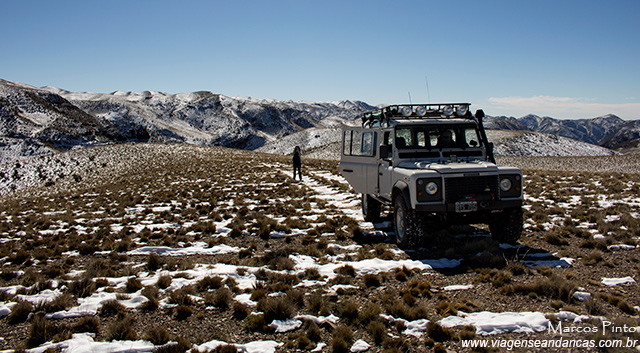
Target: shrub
[[371, 280], [209, 282], [312, 331], [468, 332], [121, 330], [20, 312], [419, 288], [157, 335], [226, 348], [593, 257], [181, 296], [444, 308], [82, 288], [348, 310], [88, 324], [40, 331], [553, 287], [378, 331], [255, 323], [164, 281], [183, 311], [151, 304], [370, 313], [59, 303], [316, 303], [240, 311], [296, 297], [112, 307], [133, 285], [346, 270], [342, 339], [282, 264], [154, 262], [275, 308], [618, 302], [439, 333], [220, 298]]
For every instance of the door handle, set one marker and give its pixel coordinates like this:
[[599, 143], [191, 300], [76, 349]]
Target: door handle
[[347, 171]]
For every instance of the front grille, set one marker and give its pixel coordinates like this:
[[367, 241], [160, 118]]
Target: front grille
[[457, 189]]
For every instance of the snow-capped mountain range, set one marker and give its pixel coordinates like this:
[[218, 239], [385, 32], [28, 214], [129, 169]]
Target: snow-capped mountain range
[[609, 131], [36, 121]]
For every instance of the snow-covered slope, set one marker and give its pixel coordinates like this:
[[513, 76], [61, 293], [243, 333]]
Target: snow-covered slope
[[61, 119], [527, 143], [36, 121], [607, 131]]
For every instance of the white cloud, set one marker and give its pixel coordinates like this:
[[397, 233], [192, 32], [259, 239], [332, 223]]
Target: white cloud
[[560, 107]]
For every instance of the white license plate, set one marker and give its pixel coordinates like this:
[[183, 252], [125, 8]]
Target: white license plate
[[466, 206]]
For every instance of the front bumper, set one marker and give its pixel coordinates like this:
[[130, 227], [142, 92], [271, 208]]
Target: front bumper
[[482, 206]]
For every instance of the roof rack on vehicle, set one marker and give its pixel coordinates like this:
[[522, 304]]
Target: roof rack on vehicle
[[417, 111]]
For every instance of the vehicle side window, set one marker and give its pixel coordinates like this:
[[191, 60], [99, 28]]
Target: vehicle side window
[[359, 143], [346, 145], [367, 146]]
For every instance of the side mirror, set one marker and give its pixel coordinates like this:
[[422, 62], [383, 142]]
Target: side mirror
[[384, 151]]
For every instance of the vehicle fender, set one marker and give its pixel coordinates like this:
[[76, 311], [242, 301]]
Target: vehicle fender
[[401, 188]]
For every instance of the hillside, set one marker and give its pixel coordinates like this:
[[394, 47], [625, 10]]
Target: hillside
[[608, 131], [36, 121], [176, 246]]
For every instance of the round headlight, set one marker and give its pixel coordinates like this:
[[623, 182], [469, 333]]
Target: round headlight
[[448, 110], [421, 111], [431, 188], [406, 111], [505, 184], [461, 110]]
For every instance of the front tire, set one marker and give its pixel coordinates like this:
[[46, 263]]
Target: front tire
[[370, 208], [507, 228], [407, 224]]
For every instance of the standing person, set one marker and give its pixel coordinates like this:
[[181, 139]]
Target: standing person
[[297, 162]]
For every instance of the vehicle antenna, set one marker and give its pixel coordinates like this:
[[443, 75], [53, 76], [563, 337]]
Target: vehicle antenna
[[410, 102], [426, 80]]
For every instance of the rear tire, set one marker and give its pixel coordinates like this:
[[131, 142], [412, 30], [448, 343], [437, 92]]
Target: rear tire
[[507, 228], [370, 208], [407, 224]]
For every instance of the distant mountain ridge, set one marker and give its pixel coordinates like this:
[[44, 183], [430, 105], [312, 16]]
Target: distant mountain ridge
[[36, 121], [41, 120], [608, 131]]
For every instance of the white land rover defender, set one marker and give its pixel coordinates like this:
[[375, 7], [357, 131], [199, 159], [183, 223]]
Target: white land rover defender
[[433, 164]]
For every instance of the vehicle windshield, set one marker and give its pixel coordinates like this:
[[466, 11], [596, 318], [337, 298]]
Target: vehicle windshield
[[437, 136]]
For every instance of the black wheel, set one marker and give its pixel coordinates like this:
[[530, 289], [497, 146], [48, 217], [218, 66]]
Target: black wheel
[[407, 224], [370, 208], [507, 228]]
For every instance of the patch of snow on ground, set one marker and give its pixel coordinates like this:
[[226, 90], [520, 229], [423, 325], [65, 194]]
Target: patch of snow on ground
[[617, 281], [489, 323]]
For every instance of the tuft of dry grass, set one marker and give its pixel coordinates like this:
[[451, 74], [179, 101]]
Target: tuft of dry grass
[[121, 329]]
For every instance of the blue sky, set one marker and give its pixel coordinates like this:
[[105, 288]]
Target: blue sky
[[566, 59]]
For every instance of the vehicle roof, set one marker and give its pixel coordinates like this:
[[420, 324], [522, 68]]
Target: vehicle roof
[[394, 122]]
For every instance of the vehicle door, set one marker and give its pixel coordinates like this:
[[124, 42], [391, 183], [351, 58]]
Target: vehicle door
[[385, 166], [358, 163]]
